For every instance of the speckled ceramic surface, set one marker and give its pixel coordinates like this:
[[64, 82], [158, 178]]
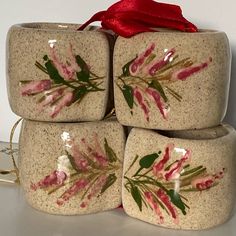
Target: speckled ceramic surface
[[172, 80], [180, 183], [72, 169], [56, 73]]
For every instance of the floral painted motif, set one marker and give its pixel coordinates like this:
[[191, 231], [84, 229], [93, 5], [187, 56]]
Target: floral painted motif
[[160, 183], [146, 79], [68, 83], [86, 169]]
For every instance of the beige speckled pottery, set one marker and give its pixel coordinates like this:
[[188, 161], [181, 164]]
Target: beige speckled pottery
[[181, 180], [70, 169], [172, 80], [56, 73]]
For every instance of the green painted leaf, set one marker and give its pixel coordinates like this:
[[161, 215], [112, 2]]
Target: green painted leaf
[[80, 93], [109, 152], [176, 200], [84, 74], [136, 196], [125, 68], [147, 161], [45, 57], [192, 171], [150, 58], [128, 94], [111, 179], [72, 162], [156, 85], [53, 73], [133, 162], [152, 181]]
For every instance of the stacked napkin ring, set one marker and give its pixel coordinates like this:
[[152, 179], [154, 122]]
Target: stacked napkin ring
[[180, 180], [56, 73], [172, 80], [72, 168]]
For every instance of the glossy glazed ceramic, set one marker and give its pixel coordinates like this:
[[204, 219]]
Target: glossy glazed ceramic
[[180, 180], [71, 168], [56, 73], [172, 80]]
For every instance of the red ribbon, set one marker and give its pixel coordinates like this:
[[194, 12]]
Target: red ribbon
[[130, 17]]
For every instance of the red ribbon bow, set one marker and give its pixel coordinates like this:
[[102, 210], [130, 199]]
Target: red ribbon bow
[[130, 17]]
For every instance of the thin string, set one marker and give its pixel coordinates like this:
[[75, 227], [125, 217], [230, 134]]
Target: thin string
[[15, 171]]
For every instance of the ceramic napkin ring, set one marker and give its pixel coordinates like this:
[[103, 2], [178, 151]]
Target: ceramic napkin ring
[[172, 80], [56, 73], [185, 180], [71, 168]]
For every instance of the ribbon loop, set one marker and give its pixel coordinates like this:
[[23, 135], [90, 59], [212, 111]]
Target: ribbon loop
[[130, 17]]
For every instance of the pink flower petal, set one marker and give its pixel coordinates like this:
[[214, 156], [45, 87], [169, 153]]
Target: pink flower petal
[[72, 191], [80, 160], [95, 190], [154, 205], [206, 182], [158, 64], [56, 178], [155, 95], [183, 74], [158, 168], [138, 62], [139, 97], [66, 100], [166, 200], [67, 71], [176, 168], [97, 153], [34, 87], [50, 98]]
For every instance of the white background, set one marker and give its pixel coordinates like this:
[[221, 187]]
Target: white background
[[214, 14]]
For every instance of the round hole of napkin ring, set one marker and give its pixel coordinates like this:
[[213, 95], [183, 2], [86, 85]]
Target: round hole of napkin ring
[[56, 73], [172, 80], [70, 168], [181, 180]]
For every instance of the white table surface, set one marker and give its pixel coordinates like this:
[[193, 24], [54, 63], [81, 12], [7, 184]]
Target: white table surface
[[19, 219]]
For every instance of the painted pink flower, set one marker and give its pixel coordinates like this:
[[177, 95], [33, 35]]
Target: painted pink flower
[[184, 73], [160, 103], [56, 178], [167, 202], [206, 182], [73, 63], [34, 87], [96, 152], [94, 191], [177, 167], [72, 191], [154, 205], [161, 194], [68, 70], [50, 98], [220, 174], [158, 168], [158, 64], [80, 160], [139, 61], [66, 100], [139, 97]]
